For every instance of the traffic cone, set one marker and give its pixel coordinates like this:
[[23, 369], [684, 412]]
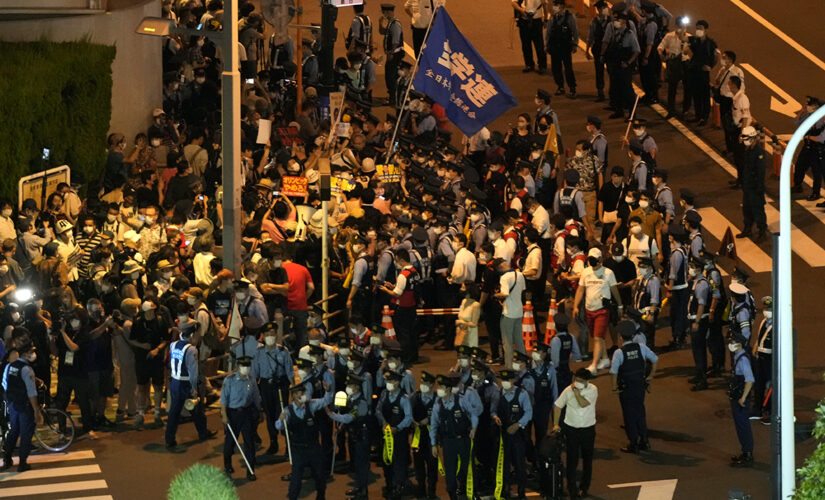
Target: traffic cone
[[528, 328], [550, 331], [386, 323]]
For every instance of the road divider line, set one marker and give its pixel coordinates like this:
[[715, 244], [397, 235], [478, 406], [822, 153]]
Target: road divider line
[[43, 489], [59, 457], [746, 250], [803, 245], [76, 470]]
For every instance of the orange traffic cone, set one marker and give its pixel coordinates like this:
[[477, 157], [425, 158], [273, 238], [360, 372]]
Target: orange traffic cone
[[528, 328], [386, 323], [550, 332]]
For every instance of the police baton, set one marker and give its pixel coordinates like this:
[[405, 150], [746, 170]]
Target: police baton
[[286, 429], [334, 447], [232, 433]]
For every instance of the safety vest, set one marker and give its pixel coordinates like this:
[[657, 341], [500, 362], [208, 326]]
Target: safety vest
[[393, 412], [177, 355], [544, 391], [567, 198], [632, 369], [454, 423], [510, 412], [15, 385]]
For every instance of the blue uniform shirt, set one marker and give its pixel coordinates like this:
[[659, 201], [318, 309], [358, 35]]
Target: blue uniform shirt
[[362, 409], [743, 317], [328, 377], [272, 363], [639, 172], [240, 392], [555, 350], [527, 382], [449, 404], [551, 376], [313, 406], [618, 358], [523, 400], [407, 381], [742, 366], [405, 406], [247, 346]]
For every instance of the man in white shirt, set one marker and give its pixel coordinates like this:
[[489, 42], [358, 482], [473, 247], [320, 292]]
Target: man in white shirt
[[596, 284], [464, 266], [66, 248], [511, 285], [722, 92], [504, 249], [7, 229], [579, 429], [540, 218], [741, 110], [532, 267], [638, 244], [421, 13]]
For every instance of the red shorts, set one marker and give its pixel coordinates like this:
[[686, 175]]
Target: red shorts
[[597, 322]]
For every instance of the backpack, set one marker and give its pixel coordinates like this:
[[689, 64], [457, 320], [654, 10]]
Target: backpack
[[516, 235], [22, 257]]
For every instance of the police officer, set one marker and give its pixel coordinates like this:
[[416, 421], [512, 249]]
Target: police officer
[[394, 365], [620, 54], [272, 368], [529, 16], [663, 197], [390, 27], [357, 420], [741, 311], [360, 295], [812, 153], [183, 385], [677, 285], [394, 412], [696, 242], [426, 465], [647, 299], [300, 422], [739, 391], [524, 377], [763, 350], [595, 37], [484, 444], [453, 427], [562, 40], [698, 316], [511, 415], [562, 350], [23, 407], [239, 401], [546, 390], [753, 186], [319, 378], [718, 302], [629, 378]]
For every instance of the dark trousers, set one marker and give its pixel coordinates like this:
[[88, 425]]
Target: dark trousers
[[622, 97], [632, 399], [536, 289], [515, 454], [699, 346], [809, 158], [716, 344], [426, 465], [299, 326], [741, 420], [678, 313], [762, 383], [456, 455], [80, 385], [242, 421], [418, 38], [492, 315], [179, 392], [562, 57], [529, 31], [580, 443], [753, 209], [649, 75], [564, 377], [21, 424], [485, 449], [395, 474], [359, 450], [697, 93], [446, 296], [325, 425], [391, 70], [598, 64], [674, 73], [649, 330], [726, 116], [404, 320], [272, 408], [302, 457]]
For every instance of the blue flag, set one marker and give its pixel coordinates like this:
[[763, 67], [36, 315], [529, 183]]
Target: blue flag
[[455, 76]]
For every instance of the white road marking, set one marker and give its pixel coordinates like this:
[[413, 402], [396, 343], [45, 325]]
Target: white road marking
[[746, 250], [779, 33], [76, 470], [59, 457], [787, 108], [100, 497], [42, 489], [652, 490], [803, 245]]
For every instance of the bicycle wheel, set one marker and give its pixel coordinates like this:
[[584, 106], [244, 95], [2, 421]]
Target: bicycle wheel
[[56, 433]]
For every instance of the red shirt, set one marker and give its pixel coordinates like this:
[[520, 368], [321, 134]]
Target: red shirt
[[298, 276]]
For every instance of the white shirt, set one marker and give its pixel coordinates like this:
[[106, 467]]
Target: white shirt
[[400, 283], [541, 221], [576, 416], [636, 248], [7, 230], [503, 250], [741, 109], [597, 286], [64, 250], [464, 267], [725, 74], [203, 270], [533, 261], [513, 281], [422, 11]]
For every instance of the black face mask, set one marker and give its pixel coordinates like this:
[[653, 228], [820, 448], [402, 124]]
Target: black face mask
[[593, 261]]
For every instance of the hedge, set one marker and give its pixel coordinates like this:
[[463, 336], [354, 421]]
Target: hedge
[[55, 95]]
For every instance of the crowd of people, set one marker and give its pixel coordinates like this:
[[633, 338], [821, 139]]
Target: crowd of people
[[125, 287]]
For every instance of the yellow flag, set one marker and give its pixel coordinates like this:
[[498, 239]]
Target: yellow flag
[[552, 143]]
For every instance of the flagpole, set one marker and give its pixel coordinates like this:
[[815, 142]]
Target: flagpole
[[391, 149]]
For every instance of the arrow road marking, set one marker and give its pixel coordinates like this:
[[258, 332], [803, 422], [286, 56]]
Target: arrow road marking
[[652, 490], [787, 108]]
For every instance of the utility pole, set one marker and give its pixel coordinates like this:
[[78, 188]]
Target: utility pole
[[231, 139], [329, 33]]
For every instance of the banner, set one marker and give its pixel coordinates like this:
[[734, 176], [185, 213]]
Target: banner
[[388, 173], [31, 186], [339, 184], [288, 136], [455, 76], [294, 186]]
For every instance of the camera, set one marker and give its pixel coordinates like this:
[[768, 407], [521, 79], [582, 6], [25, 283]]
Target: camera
[[117, 317]]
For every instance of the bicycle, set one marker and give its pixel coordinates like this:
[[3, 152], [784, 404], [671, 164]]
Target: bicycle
[[56, 433]]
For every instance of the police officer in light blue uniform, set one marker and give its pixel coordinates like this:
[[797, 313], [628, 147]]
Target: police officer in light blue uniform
[[629, 370], [546, 389], [318, 379], [183, 385], [741, 311], [739, 391], [485, 446], [696, 242], [678, 284], [272, 368], [239, 401], [299, 420], [663, 197], [394, 365], [524, 378], [390, 27], [512, 414], [453, 426], [426, 465], [394, 410], [570, 196], [647, 299], [719, 299], [357, 419], [698, 314], [563, 349], [23, 407]]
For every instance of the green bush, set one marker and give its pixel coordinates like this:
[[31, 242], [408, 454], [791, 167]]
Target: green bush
[[811, 484], [202, 481], [55, 95]]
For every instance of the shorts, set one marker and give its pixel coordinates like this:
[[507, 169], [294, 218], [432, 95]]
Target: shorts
[[101, 384], [597, 322], [148, 370]]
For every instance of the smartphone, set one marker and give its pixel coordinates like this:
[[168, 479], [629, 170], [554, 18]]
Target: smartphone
[[200, 25], [276, 193], [200, 197], [46, 152], [250, 81]]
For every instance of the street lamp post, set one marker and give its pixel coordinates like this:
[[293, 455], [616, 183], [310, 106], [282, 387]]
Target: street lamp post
[[784, 308]]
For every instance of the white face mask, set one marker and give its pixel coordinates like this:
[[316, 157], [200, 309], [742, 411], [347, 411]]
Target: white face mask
[[643, 204], [733, 347], [454, 390], [506, 385], [242, 296], [639, 132], [768, 314], [636, 229], [476, 377], [302, 373], [516, 366], [392, 365], [442, 392], [75, 324], [7, 211], [111, 218], [390, 386], [492, 235], [618, 258], [628, 200], [350, 391], [536, 356], [244, 371], [149, 221], [617, 25], [306, 398], [700, 33], [146, 306], [375, 341], [315, 342], [191, 301], [88, 229], [579, 153], [269, 340], [424, 388], [579, 385], [182, 319], [344, 351], [155, 143], [464, 362], [693, 272]]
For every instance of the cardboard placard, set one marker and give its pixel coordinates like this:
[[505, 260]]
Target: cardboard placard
[[294, 186], [339, 185], [388, 172], [288, 136], [264, 131]]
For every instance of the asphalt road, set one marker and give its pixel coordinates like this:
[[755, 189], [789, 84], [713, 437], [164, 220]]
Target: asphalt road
[[691, 433]]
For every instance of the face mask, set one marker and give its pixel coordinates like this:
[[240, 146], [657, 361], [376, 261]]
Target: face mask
[[350, 391], [351, 365], [191, 301], [343, 352], [150, 221], [75, 324], [506, 385], [593, 261], [375, 341], [306, 398], [693, 272], [167, 275], [390, 386], [768, 314], [636, 229], [464, 362], [276, 263], [7, 212], [146, 306], [242, 296], [639, 132], [314, 342], [200, 80], [454, 390], [182, 319], [475, 218], [516, 366], [644, 204], [392, 365], [442, 392], [15, 316], [644, 270], [106, 288], [424, 388], [556, 8], [618, 258], [492, 235], [302, 373], [700, 33], [617, 25], [579, 385], [476, 377], [628, 200], [244, 371], [269, 340], [536, 356], [732, 347], [579, 153]]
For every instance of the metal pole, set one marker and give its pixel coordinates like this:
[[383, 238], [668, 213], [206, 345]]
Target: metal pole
[[325, 260], [286, 429], [299, 51], [234, 438], [784, 320], [776, 466], [231, 139]]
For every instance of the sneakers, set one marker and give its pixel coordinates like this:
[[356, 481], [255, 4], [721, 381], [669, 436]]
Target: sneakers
[[138, 421], [743, 460], [602, 364]]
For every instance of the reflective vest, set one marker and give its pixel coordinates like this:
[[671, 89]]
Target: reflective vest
[[177, 362]]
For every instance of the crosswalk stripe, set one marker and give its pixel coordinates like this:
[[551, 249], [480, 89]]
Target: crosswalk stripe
[[747, 251], [59, 457], [42, 489], [55, 472], [99, 497], [802, 244]]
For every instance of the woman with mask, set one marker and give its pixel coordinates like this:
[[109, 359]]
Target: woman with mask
[[468, 315], [517, 141]]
